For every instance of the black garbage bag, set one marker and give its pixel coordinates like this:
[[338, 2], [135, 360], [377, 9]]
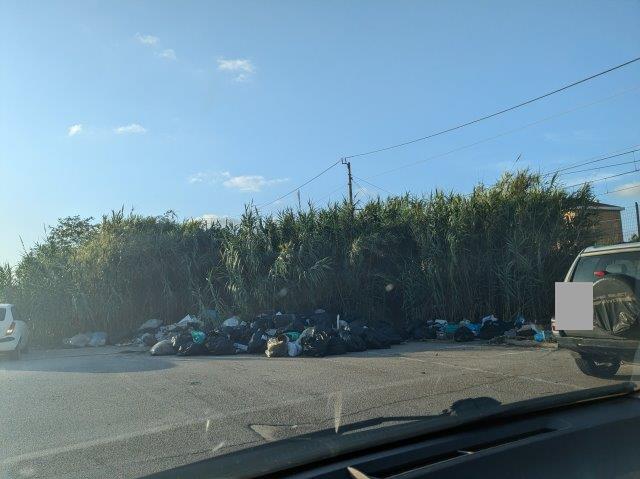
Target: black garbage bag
[[238, 334], [263, 322], [463, 334], [258, 342], [190, 348], [352, 342], [281, 321], [322, 321], [336, 346], [374, 339], [491, 329], [357, 327], [219, 345], [616, 307], [392, 336], [314, 342], [420, 332], [180, 340]]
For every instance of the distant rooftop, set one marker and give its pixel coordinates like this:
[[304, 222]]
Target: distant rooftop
[[604, 206]]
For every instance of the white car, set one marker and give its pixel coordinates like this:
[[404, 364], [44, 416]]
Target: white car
[[14, 333]]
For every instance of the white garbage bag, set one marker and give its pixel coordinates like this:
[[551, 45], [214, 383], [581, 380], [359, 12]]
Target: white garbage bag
[[188, 320], [294, 348], [79, 340], [98, 339], [162, 348], [150, 324], [232, 322]]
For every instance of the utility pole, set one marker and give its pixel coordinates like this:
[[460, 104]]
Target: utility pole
[[637, 220], [350, 180]]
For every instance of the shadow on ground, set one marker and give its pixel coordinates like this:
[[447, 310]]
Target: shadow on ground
[[88, 364]]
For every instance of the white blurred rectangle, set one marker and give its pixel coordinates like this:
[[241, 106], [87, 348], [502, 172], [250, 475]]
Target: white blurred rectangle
[[574, 306]]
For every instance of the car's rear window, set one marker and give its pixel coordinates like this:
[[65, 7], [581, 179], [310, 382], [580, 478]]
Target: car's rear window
[[620, 263]]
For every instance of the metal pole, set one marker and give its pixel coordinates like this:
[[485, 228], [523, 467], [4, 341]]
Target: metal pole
[[350, 179], [637, 220]]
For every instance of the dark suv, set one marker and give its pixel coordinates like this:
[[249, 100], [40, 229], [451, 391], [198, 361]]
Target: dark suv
[[614, 271]]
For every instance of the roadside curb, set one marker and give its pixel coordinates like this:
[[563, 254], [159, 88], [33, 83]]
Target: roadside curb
[[530, 344]]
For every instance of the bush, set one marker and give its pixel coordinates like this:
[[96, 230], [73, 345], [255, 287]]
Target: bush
[[498, 250]]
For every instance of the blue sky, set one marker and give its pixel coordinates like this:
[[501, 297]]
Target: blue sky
[[200, 107]]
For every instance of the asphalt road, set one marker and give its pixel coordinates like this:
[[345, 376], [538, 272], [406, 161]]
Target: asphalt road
[[116, 412]]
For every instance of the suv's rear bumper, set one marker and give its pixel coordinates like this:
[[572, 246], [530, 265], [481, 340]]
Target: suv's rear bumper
[[625, 349]]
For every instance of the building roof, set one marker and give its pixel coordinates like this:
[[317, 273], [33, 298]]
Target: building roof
[[604, 206]]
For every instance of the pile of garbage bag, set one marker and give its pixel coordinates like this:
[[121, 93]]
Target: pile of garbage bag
[[276, 335], [487, 328], [316, 334]]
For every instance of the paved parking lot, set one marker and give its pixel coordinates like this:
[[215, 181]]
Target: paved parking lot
[[120, 412]]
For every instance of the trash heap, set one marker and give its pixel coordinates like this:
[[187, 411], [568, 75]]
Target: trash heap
[[276, 335], [317, 334], [487, 328]]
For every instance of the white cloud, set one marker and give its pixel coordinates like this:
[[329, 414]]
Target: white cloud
[[147, 39], [628, 189], [168, 54], [75, 129], [130, 129], [207, 177], [254, 183], [251, 182], [241, 67]]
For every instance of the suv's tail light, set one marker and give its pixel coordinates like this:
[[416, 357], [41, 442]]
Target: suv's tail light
[[11, 328]]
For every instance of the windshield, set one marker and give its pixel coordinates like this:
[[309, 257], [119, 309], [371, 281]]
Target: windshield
[[229, 223]]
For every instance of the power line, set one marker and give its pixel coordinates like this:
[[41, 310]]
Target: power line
[[591, 160], [507, 132], [602, 179], [486, 117], [620, 189], [299, 186], [371, 184], [599, 167]]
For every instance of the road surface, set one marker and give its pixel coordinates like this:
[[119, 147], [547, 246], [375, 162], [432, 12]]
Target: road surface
[[118, 412]]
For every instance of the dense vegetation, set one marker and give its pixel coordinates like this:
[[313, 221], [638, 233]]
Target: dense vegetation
[[498, 250]]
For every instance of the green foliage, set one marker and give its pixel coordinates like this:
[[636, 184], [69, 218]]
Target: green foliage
[[498, 250]]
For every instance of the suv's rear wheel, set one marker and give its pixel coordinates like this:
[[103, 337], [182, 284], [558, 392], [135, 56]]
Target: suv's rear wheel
[[599, 368]]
